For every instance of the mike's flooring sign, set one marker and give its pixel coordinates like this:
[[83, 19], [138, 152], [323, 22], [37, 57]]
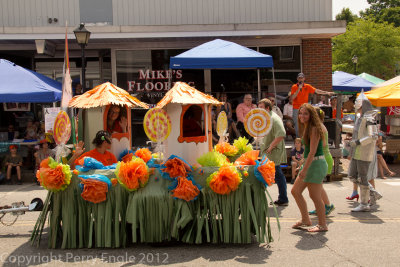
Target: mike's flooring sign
[[155, 80]]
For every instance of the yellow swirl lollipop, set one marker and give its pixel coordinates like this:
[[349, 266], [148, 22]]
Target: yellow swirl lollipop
[[157, 124], [257, 122], [62, 128]]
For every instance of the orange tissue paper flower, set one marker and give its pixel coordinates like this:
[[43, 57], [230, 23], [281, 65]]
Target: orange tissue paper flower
[[267, 171], [248, 158], [94, 191], [224, 181], [175, 167], [144, 154], [226, 149], [185, 190], [51, 179], [53, 176], [114, 181], [45, 163], [127, 157], [132, 174]]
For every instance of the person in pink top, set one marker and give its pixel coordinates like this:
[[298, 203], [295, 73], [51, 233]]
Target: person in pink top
[[241, 110]]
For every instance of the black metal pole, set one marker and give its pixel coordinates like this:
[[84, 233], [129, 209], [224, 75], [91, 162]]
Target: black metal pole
[[83, 69], [355, 68]]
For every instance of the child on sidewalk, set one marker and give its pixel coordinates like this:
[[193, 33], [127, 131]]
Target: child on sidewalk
[[297, 157], [13, 164]]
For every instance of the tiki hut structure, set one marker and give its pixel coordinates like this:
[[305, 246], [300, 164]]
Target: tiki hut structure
[[191, 121], [96, 104]]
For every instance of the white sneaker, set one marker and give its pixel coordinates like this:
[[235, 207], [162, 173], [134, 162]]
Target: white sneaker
[[374, 196], [361, 207]]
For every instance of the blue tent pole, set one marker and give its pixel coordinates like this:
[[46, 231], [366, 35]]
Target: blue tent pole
[[259, 85]]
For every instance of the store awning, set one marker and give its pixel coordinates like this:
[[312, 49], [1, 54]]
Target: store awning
[[220, 54], [18, 84], [349, 83], [385, 96]]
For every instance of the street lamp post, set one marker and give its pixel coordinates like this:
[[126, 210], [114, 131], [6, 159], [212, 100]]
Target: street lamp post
[[355, 60], [82, 36]]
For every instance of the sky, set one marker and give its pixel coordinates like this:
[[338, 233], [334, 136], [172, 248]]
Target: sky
[[354, 5]]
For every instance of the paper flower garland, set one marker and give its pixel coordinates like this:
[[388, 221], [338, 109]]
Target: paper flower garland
[[185, 189], [125, 155], [226, 149], [248, 158], [144, 154], [179, 172], [242, 145], [132, 174], [225, 180], [53, 176], [175, 167], [94, 187], [265, 171], [212, 159], [89, 163]]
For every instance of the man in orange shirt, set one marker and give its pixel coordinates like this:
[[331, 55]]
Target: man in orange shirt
[[299, 94]]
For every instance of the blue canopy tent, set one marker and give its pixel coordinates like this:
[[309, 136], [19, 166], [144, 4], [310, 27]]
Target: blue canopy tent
[[346, 83], [220, 54], [18, 84]]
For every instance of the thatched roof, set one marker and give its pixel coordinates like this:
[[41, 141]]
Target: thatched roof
[[106, 94], [182, 93]]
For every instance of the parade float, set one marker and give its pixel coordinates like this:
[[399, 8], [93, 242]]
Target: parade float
[[185, 190]]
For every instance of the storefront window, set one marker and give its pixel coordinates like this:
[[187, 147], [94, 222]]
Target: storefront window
[[146, 75]]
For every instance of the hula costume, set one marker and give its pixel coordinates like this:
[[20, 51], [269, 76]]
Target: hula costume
[[318, 168], [327, 154]]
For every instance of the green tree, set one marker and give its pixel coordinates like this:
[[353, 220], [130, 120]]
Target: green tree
[[375, 44], [346, 15], [383, 10]]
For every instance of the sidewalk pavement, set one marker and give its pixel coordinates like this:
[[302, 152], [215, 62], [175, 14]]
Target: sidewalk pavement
[[353, 239]]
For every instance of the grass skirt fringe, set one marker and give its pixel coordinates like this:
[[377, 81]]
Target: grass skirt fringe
[[154, 216]]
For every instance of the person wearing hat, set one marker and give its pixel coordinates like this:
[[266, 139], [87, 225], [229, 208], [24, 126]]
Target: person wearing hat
[[102, 141], [13, 164], [299, 94]]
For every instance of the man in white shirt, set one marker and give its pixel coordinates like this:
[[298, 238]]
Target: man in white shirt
[[275, 108], [288, 110], [288, 118]]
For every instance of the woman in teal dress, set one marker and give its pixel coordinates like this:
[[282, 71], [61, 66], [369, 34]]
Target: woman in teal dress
[[329, 160], [313, 171]]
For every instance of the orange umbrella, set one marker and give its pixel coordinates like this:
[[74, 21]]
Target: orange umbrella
[[106, 94], [385, 96], [182, 93]]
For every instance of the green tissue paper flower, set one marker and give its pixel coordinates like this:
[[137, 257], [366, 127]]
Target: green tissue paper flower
[[242, 145], [212, 159]]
